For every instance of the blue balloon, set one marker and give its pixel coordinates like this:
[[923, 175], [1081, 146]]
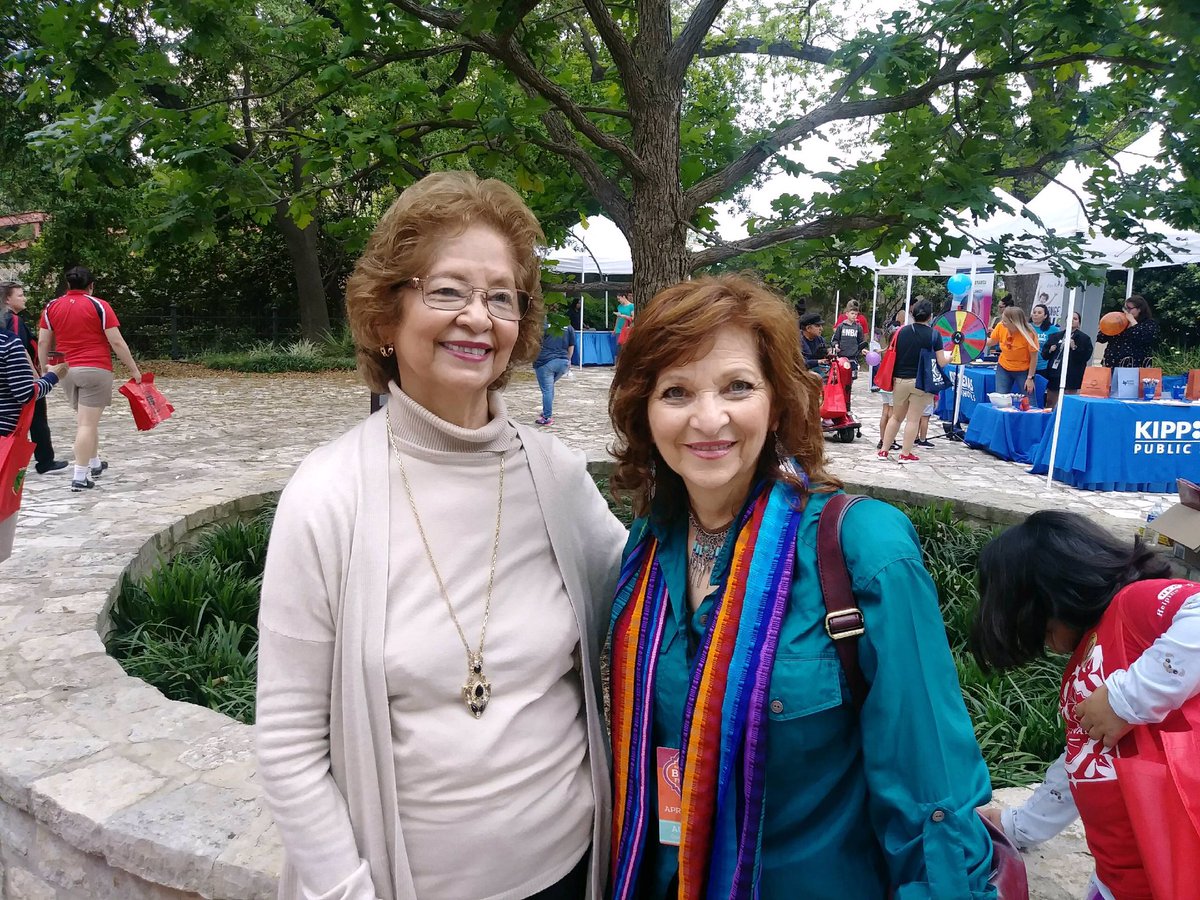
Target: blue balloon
[[959, 284]]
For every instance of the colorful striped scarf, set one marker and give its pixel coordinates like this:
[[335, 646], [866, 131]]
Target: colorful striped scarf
[[723, 755]]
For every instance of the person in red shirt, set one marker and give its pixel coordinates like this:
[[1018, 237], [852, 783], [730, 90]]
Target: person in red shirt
[[85, 330]]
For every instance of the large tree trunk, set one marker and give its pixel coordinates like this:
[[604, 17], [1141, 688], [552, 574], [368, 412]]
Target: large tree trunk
[[659, 239], [1023, 288], [310, 286]]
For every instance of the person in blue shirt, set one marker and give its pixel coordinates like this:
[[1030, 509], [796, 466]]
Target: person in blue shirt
[[742, 767], [552, 363], [1044, 328]]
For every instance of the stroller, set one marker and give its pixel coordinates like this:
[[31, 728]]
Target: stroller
[[835, 402]]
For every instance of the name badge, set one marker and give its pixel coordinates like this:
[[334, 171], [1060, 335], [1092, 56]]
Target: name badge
[[670, 797]]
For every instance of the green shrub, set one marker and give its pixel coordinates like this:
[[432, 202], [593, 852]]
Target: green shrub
[[275, 360], [189, 627]]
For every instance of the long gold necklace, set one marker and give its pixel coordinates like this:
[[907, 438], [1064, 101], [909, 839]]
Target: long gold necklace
[[477, 690]]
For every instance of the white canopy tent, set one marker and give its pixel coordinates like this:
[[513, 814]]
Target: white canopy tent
[[599, 249]]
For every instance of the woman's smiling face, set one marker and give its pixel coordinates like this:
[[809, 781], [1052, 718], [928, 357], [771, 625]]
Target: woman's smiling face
[[447, 358], [709, 419]]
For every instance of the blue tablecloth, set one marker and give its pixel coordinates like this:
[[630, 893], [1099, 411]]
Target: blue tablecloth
[[981, 381], [1123, 445], [599, 348], [1007, 433]]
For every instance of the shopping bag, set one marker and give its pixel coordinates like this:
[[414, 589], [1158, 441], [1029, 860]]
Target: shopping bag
[[1149, 373], [1125, 382], [887, 366], [146, 402], [16, 450], [1161, 790], [833, 399], [1193, 385], [1097, 382], [930, 377]]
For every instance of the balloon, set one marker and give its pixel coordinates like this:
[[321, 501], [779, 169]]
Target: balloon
[[1113, 323], [873, 358], [959, 284]]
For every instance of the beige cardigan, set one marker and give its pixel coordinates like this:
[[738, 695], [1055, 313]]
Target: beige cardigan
[[323, 603]]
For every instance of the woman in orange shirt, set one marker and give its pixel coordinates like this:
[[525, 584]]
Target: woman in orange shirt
[[1018, 351]]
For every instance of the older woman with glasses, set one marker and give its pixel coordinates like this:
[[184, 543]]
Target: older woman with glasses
[[437, 588], [1138, 342]]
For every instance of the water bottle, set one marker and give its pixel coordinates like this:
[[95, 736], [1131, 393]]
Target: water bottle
[[1149, 535]]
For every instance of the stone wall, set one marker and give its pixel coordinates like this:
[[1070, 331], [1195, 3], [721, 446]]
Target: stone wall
[[107, 788]]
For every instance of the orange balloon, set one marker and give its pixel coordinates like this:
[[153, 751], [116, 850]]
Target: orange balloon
[[1113, 323]]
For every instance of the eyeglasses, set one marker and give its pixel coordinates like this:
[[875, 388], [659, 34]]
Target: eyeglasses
[[1129, 307], [451, 294]]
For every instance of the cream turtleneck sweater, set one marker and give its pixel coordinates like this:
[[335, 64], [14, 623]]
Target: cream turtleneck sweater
[[498, 807]]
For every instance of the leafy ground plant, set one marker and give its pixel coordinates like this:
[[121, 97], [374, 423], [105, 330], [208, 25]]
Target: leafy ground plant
[[189, 627]]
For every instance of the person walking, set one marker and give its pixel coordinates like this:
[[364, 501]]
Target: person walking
[[908, 403], [430, 719], [12, 304], [85, 330], [19, 384], [552, 363]]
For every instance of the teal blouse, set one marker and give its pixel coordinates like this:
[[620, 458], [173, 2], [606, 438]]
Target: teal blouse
[[855, 801]]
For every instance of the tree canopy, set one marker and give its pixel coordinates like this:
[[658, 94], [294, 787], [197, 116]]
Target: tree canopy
[[304, 116]]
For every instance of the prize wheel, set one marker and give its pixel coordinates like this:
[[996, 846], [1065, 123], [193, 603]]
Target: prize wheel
[[965, 334]]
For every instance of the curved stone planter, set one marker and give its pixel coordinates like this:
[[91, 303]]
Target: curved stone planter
[[109, 790]]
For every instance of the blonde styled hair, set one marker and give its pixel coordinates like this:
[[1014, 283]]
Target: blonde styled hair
[[405, 242], [677, 326], [1017, 322]]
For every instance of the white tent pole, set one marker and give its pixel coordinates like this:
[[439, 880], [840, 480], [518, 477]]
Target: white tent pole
[[837, 302], [582, 302], [970, 304], [1129, 283], [874, 304], [908, 299], [1062, 388]]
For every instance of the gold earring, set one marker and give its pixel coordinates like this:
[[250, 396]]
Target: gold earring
[[387, 350]]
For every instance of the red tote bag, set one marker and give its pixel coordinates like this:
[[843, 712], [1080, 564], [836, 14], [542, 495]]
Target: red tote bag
[[16, 450], [883, 375], [1161, 790], [833, 400], [146, 402]]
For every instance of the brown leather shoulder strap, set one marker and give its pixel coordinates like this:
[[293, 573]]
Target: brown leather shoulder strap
[[844, 621]]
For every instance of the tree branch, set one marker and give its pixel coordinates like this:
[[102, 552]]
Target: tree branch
[[613, 38], [825, 226], [514, 57], [598, 70], [603, 188], [763, 47], [574, 288], [690, 39], [836, 109]]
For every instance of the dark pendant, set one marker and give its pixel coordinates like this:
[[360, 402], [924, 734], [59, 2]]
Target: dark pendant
[[478, 690]]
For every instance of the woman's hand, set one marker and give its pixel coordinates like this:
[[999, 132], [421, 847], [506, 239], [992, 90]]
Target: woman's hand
[[1097, 718], [61, 370], [1132, 318], [1030, 383]]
